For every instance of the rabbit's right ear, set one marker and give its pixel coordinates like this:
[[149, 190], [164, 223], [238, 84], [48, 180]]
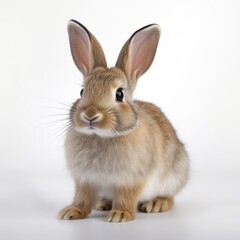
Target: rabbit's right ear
[[86, 51]]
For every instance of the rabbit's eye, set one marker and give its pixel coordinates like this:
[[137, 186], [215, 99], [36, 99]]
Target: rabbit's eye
[[119, 95], [81, 92]]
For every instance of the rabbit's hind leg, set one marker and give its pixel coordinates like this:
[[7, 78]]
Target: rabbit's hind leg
[[158, 204], [103, 204]]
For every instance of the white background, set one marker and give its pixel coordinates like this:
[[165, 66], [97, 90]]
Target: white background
[[195, 79]]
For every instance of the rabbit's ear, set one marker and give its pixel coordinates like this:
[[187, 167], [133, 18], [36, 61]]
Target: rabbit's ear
[[86, 51], [138, 52]]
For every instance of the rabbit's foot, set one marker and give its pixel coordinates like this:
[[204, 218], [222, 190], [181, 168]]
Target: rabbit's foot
[[159, 204], [72, 213], [119, 216], [103, 204]]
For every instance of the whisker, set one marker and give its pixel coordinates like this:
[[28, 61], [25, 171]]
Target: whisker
[[56, 115], [58, 108], [64, 129], [56, 101], [52, 122]]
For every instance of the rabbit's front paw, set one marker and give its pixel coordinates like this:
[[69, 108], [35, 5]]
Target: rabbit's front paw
[[119, 216], [72, 213], [159, 204]]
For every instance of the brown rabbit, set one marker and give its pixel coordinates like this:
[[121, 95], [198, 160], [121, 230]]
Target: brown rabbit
[[121, 153]]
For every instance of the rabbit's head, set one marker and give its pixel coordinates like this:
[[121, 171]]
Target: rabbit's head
[[106, 107]]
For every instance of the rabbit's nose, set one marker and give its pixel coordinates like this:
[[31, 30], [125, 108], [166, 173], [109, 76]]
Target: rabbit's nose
[[91, 114], [87, 118]]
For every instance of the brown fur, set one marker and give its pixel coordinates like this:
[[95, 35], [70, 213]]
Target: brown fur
[[124, 204], [82, 204], [121, 152], [159, 204], [103, 204]]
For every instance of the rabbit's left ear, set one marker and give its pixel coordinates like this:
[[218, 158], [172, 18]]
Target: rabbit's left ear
[[138, 52]]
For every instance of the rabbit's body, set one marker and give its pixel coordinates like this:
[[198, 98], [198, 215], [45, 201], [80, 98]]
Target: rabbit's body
[[143, 155], [120, 151]]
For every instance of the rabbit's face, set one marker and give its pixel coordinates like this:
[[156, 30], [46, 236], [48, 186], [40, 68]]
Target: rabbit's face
[[105, 107]]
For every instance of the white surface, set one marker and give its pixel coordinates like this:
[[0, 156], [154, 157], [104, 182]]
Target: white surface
[[195, 79], [207, 209]]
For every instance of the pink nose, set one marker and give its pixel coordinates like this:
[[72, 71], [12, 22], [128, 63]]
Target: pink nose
[[90, 119]]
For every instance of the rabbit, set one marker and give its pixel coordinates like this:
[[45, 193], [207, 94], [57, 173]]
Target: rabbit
[[123, 154]]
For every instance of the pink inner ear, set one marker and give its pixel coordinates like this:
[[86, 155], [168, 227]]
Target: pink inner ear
[[80, 48], [142, 50]]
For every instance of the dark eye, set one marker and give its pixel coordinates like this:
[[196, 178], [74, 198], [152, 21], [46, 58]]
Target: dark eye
[[81, 92], [119, 95]]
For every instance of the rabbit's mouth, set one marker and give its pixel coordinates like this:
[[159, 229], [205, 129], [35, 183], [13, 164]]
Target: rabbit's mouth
[[90, 125]]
